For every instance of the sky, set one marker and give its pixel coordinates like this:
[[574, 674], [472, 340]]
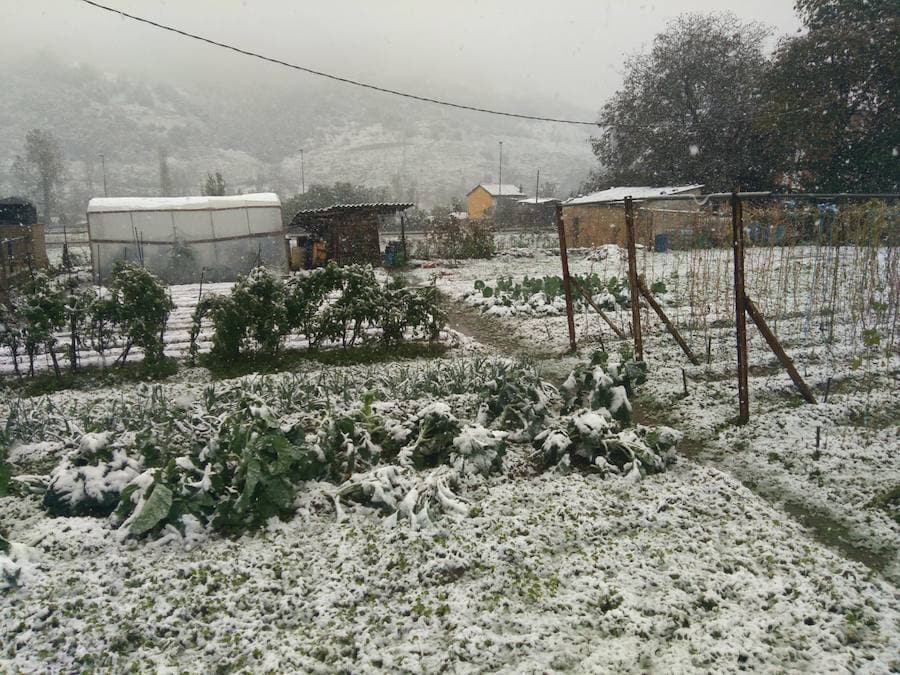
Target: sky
[[569, 53]]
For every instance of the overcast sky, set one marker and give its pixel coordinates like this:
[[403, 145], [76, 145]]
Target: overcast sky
[[571, 50]]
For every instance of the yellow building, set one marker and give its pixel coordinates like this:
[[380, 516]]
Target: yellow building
[[486, 195]]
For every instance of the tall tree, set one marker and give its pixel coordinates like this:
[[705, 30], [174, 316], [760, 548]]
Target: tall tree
[[683, 114], [319, 195], [165, 177], [834, 100], [39, 170], [215, 185]]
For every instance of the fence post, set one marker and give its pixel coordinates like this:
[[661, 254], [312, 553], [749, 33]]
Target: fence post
[[737, 245], [567, 281], [673, 331], [633, 280]]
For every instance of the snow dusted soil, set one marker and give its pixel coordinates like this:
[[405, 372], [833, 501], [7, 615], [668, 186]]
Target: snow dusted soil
[[684, 571], [858, 458]]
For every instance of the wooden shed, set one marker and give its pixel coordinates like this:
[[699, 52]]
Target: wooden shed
[[347, 233], [22, 244]]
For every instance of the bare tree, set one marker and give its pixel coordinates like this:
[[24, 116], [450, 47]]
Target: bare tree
[[40, 169]]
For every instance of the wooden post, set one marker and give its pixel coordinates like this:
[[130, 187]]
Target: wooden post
[[589, 300], [669, 325], [737, 245], [403, 238], [567, 280], [776, 347], [633, 281]]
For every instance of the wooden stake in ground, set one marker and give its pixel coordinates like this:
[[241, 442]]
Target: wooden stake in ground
[[737, 245], [776, 347], [589, 300], [633, 280], [665, 319], [567, 280]]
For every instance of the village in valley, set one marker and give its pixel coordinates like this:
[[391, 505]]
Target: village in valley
[[617, 397]]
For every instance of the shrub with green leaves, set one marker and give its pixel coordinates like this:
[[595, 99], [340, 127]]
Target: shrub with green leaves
[[458, 239], [138, 306], [40, 308], [252, 318], [330, 305]]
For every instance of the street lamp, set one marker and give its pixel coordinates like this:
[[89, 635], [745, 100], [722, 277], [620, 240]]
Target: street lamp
[[500, 179], [302, 177], [103, 163]]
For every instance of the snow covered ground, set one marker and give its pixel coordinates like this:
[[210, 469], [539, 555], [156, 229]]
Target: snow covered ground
[[857, 461], [690, 570], [686, 571]]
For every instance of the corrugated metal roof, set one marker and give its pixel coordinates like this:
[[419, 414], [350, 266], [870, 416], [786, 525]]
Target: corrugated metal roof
[[111, 204], [618, 194], [500, 190], [379, 207]]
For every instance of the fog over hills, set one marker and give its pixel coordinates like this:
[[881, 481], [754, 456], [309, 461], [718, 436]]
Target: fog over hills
[[252, 131]]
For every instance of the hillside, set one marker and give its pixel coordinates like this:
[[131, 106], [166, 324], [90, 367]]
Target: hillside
[[252, 132]]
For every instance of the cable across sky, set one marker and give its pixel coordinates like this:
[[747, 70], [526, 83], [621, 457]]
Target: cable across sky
[[337, 78]]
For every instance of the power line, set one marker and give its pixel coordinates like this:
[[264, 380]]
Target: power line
[[329, 76]]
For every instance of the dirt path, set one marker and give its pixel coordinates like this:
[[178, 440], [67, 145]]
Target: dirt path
[[555, 367]]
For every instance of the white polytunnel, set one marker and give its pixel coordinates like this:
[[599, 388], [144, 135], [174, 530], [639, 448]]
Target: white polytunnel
[[181, 238]]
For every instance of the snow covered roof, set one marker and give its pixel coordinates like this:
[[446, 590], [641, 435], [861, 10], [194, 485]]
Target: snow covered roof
[[618, 194], [113, 204], [498, 189], [541, 200]]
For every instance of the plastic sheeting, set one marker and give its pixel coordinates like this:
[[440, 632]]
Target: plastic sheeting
[[179, 238]]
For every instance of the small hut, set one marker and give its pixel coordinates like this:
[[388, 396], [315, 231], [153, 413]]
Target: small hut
[[22, 246], [344, 233]]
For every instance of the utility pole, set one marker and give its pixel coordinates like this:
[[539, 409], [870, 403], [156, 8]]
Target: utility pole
[[537, 187], [103, 164], [302, 177], [500, 179]]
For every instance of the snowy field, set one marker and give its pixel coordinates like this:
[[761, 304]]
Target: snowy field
[[857, 461], [707, 567]]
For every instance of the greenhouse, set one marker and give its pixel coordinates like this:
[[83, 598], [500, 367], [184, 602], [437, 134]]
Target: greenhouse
[[184, 239]]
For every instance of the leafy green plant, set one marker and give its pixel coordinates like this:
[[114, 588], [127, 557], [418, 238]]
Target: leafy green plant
[[596, 384], [40, 307], [138, 307]]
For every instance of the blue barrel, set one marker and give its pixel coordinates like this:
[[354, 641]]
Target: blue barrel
[[661, 243]]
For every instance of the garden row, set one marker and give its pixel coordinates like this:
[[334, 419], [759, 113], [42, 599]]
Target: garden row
[[543, 296], [328, 306], [131, 313], [239, 454]]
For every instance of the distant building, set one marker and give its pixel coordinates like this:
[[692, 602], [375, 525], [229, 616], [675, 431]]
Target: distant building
[[180, 238], [22, 246], [537, 212], [599, 218], [487, 195], [344, 233]]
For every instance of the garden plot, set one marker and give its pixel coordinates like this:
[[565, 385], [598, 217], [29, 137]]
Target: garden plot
[[521, 570], [852, 478]]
